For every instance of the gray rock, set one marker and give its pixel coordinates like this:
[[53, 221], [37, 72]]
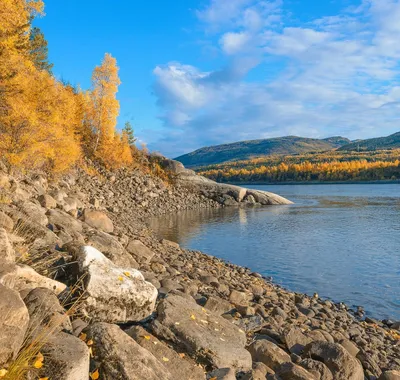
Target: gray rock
[[202, 333], [222, 374], [240, 298], [47, 201], [218, 305], [291, 371], [6, 222], [317, 368], [390, 375], [342, 365], [118, 356], [66, 355], [14, 320], [270, 354], [350, 347], [141, 253], [296, 340], [64, 221], [114, 294], [7, 253], [99, 220], [179, 367]]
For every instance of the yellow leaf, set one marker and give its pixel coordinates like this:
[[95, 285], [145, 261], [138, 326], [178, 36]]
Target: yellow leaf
[[147, 337], [165, 359], [44, 378], [95, 375], [89, 342], [127, 274], [213, 378], [120, 278], [39, 357], [91, 352], [38, 364], [3, 372], [182, 355], [192, 317], [83, 337]]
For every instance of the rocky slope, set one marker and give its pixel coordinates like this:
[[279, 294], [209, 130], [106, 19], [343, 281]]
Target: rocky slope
[[86, 284]]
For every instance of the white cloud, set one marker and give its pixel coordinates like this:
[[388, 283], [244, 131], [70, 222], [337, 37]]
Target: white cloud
[[334, 75]]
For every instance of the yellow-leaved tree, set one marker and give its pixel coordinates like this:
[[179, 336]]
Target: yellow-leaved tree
[[104, 143]]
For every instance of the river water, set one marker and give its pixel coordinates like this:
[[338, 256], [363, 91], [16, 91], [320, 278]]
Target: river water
[[341, 241]]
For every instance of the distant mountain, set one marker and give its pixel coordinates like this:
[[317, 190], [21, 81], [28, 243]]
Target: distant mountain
[[244, 150], [379, 143]]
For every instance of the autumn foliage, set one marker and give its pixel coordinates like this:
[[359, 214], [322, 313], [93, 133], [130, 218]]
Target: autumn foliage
[[330, 166], [43, 122]]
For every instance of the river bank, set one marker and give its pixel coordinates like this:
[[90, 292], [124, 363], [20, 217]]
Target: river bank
[[151, 309], [257, 183]]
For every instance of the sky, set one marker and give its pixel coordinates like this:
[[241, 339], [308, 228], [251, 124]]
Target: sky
[[204, 72]]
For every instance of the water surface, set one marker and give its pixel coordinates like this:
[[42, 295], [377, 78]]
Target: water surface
[[341, 241]]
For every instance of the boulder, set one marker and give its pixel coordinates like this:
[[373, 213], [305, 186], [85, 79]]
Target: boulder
[[47, 201], [218, 305], [270, 354], [111, 248], [63, 221], [178, 366], [291, 371], [240, 298], [342, 365], [141, 253], [222, 374], [45, 312], [112, 293], [34, 212], [6, 222], [350, 347], [66, 356], [118, 356], [214, 339], [390, 375], [14, 321], [99, 220], [23, 278], [296, 340], [7, 253], [317, 368]]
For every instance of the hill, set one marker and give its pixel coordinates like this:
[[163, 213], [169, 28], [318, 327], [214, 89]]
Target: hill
[[379, 143], [245, 150]]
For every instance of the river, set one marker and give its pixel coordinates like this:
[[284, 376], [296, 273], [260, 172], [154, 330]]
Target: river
[[341, 241]]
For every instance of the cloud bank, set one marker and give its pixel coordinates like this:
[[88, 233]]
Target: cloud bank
[[337, 75]]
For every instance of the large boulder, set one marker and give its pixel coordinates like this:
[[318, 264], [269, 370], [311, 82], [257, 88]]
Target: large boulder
[[47, 201], [214, 339], [63, 221], [99, 220], [34, 212], [7, 253], [14, 320], [296, 340], [24, 278], [317, 368], [66, 357], [178, 366], [118, 356], [112, 293], [291, 371], [340, 362], [264, 351]]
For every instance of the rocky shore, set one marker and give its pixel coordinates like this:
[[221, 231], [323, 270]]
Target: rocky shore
[[89, 292]]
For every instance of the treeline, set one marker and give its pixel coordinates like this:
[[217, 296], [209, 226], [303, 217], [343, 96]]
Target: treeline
[[45, 123], [332, 166]]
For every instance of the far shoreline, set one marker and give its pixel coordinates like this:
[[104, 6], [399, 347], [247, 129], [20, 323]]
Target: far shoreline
[[378, 182]]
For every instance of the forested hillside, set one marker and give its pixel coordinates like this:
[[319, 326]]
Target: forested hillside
[[244, 150], [380, 143], [330, 166]]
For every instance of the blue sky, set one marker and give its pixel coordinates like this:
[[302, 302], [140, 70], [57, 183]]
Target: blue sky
[[204, 72]]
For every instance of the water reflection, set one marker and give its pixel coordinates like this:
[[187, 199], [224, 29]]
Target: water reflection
[[341, 241]]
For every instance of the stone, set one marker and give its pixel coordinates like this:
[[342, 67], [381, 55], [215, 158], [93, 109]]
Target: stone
[[114, 294], [71, 203], [218, 305], [390, 375], [350, 347], [141, 253], [61, 220], [7, 253], [296, 340], [14, 321], [179, 367], [99, 220], [45, 312], [47, 201], [317, 368], [259, 372], [118, 356], [270, 354], [239, 298], [203, 334], [111, 248], [65, 355], [34, 212], [222, 374], [23, 277], [342, 365], [6, 222], [291, 371]]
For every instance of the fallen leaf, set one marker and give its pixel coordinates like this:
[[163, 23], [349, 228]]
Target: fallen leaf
[[147, 337], [89, 342], [120, 278], [165, 359], [83, 337], [91, 352], [127, 274], [192, 317], [177, 323], [38, 364], [44, 378], [213, 378], [3, 372], [95, 375], [182, 355]]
